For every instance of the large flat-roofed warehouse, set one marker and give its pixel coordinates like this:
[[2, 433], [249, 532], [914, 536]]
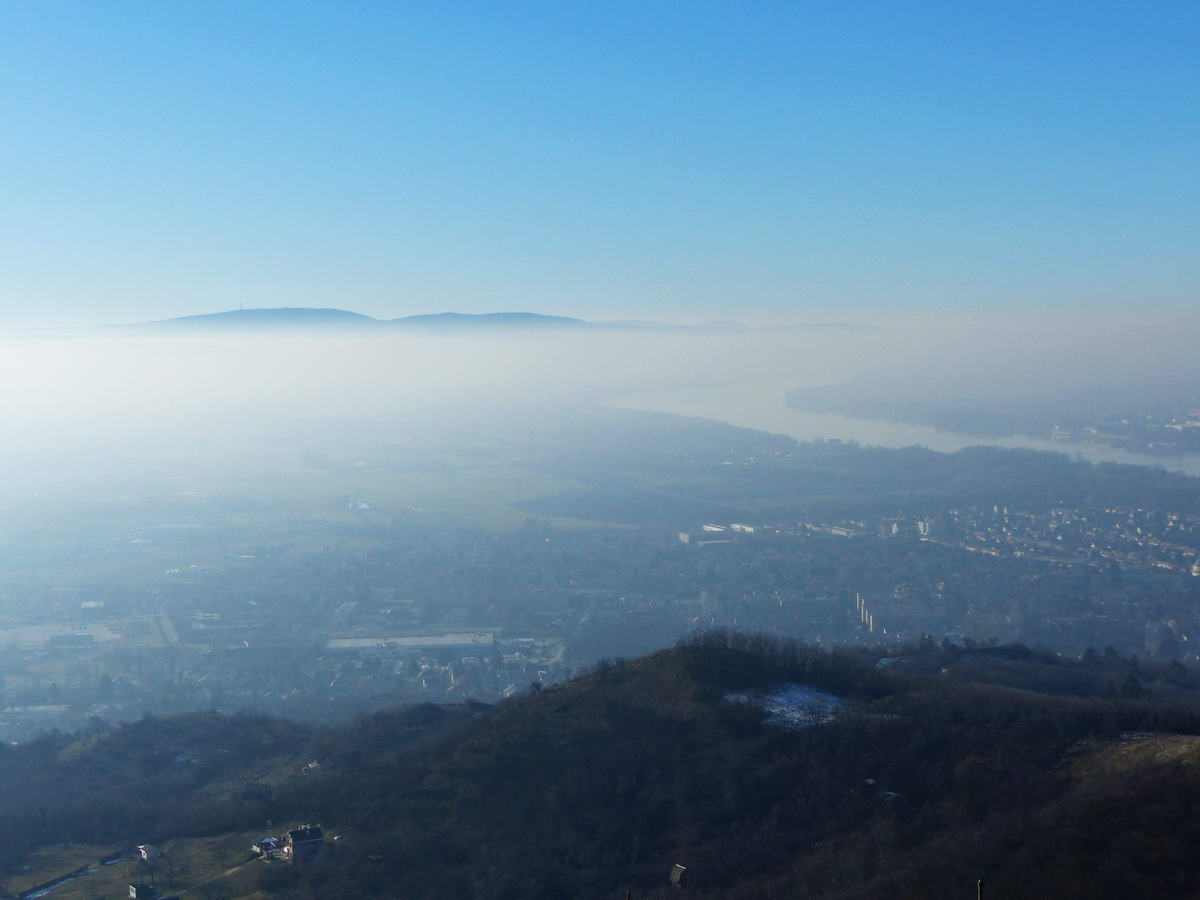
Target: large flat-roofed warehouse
[[442, 641]]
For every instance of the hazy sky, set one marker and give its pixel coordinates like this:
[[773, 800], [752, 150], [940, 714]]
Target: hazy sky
[[680, 161]]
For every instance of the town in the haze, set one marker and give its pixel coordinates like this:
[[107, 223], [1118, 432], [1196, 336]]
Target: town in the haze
[[403, 608]]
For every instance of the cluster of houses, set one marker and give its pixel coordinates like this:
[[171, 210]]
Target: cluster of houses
[[299, 845]]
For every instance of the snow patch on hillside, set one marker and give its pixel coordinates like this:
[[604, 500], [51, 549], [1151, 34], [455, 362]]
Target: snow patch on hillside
[[792, 706]]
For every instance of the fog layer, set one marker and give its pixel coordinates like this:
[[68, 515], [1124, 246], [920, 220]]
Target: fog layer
[[88, 404]]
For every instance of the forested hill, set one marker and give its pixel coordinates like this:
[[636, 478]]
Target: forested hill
[[908, 776], [328, 319], [916, 787]]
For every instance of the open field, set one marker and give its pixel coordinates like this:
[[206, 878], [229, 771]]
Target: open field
[[185, 867]]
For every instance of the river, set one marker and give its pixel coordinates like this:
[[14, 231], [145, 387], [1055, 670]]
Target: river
[[762, 406]]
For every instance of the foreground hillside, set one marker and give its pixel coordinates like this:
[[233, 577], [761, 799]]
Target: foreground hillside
[[916, 787], [905, 779]]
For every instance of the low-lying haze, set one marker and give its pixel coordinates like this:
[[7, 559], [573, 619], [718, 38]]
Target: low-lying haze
[[97, 398]]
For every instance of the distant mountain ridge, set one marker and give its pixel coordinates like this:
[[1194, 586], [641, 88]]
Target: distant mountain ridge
[[451, 320], [330, 318], [296, 318]]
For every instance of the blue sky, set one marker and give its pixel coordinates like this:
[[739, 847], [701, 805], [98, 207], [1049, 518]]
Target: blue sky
[[677, 161]]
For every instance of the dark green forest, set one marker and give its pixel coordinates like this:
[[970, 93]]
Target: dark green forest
[[944, 765]]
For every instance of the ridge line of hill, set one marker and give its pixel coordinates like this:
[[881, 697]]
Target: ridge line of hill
[[332, 318]]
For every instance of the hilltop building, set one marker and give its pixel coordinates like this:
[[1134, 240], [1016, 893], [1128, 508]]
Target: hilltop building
[[303, 843]]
